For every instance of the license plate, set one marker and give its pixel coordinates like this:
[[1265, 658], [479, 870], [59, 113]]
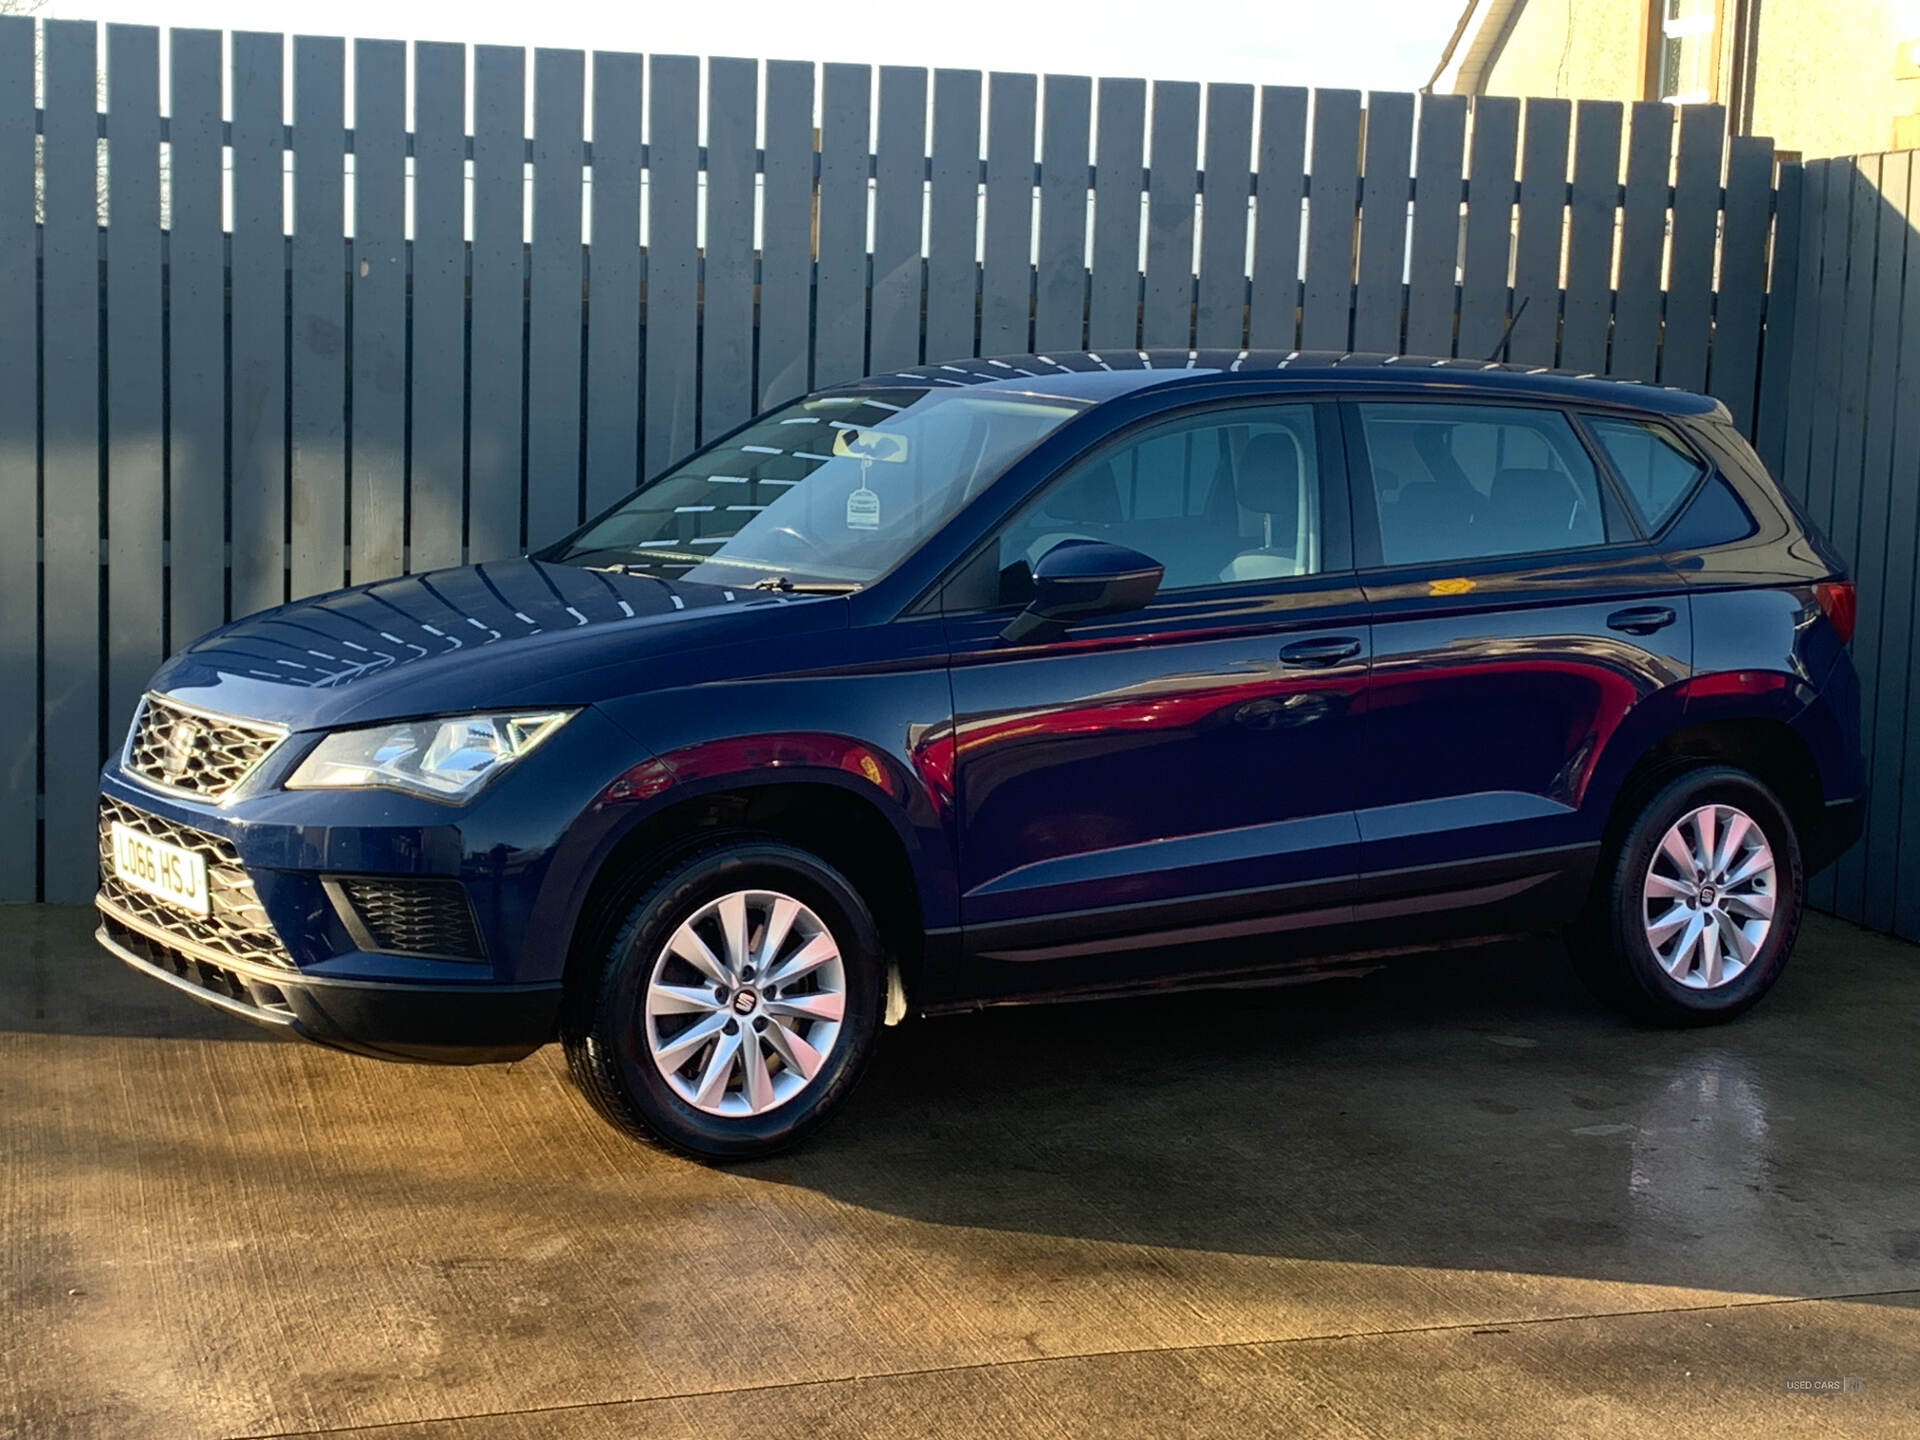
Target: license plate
[[170, 872]]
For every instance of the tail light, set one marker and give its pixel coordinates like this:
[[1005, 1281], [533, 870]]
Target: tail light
[[1837, 602]]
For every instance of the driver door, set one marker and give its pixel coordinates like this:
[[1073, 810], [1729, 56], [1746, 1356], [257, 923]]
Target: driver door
[[1181, 772]]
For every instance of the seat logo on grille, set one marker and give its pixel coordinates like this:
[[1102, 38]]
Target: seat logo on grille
[[177, 751]]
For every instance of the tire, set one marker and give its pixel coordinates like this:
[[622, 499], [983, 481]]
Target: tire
[[618, 1021], [1629, 948]]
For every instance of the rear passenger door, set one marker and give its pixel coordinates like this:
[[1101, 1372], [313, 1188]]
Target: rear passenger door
[[1519, 616]]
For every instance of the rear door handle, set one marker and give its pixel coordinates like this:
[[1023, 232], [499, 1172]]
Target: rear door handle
[[1641, 619], [1329, 651]]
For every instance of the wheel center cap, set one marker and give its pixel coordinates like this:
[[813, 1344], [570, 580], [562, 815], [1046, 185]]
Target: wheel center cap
[[744, 1002], [1708, 894]]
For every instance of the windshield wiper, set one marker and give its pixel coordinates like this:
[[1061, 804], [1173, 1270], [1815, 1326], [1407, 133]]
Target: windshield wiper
[[788, 586]]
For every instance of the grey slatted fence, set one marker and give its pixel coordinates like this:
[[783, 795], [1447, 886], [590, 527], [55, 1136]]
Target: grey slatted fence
[[216, 393], [1848, 448]]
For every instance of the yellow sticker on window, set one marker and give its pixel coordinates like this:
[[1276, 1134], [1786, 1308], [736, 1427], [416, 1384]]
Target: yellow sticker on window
[[1457, 585]]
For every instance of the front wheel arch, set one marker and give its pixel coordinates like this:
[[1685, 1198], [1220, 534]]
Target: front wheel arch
[[824, 817]]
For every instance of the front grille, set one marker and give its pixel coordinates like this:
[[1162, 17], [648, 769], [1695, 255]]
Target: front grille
[[408, 915], [195, 751], [258, 995], [235, 924]]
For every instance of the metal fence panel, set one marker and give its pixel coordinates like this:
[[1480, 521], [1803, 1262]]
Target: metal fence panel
[[1780, 308], [317, 391], [1540, 236], [1696, 217], [613, 323], [1388, 166], [136, 466], [899, 186], [840, 277], [1006, 277], [1434, 254], [256, 417], [1593, 205], [673, 277], [1791, 469], [19, 465], [1060, 279], [1871, 499], [1166, 310], [498, 304], [437, 459], [1893, 806], [196, 342], [1113, 314], [553, 298], [70, 438], [467, 375], [1489, 242], [378, 281], [1327, 298], [1643, 239], [786, 254], [726, 330], [1735, 348]]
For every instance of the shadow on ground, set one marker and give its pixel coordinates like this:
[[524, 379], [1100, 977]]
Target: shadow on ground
[[1468, 1110]]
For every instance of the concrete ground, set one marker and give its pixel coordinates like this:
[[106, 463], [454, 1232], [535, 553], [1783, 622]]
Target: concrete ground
[[1452, 1198]]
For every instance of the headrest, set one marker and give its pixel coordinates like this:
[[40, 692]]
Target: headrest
[[1522, 496], [1092, 496], [1269, 479]]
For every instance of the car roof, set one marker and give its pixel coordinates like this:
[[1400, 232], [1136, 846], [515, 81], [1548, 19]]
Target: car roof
[[1101, 375]]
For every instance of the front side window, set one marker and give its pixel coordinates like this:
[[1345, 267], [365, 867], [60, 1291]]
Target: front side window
[[1228, 496], [1461, 482], [830, 492], [1657, 470]]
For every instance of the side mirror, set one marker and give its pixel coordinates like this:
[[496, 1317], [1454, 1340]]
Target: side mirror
[[1082, 580]]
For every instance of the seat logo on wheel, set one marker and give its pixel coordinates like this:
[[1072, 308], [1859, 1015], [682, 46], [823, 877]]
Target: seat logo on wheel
[[744, 1001]]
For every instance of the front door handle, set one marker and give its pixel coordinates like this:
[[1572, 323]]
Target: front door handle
[[1641, 619], [1329, 651]]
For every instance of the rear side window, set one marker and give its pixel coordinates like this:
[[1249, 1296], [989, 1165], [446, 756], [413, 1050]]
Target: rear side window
[[1655, 467], [1460, 482]]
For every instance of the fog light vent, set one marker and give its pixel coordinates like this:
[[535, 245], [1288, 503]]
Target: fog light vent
[[407, 915]]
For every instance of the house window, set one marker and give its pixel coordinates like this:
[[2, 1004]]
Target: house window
[[1687, 55]]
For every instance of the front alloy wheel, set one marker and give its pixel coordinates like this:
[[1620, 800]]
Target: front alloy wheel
[[745, 1003], [735, 1003]]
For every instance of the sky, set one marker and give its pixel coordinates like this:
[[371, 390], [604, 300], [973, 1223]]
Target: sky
[[1362, 44]]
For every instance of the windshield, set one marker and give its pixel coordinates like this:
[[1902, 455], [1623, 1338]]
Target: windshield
[[829, 492]]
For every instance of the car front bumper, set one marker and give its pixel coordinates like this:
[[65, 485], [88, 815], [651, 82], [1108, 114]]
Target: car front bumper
[[391, 1020], [465, 963]]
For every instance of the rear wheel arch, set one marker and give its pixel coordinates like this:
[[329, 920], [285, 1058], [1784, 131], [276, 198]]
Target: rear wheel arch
[[1768, 749]]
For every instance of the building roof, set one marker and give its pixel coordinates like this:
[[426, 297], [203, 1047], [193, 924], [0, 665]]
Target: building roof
[[1482, 29], [1102, 375]]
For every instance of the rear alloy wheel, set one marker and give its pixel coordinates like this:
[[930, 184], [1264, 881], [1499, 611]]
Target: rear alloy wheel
[[1708, 896], [737, 1003], [1695, 916]]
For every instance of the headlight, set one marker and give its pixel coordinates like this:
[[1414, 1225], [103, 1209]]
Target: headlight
[[446, 759]]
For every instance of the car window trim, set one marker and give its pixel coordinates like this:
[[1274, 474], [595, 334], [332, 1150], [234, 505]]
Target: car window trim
[[1369, 556], [1708, 469], [1335, 493]]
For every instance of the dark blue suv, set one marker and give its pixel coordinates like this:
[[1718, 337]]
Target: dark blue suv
[[1012, 680]]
